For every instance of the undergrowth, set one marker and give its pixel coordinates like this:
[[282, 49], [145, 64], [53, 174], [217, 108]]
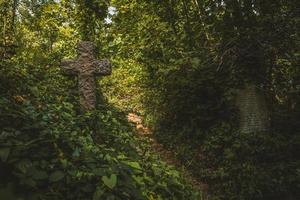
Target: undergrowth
[[50, 150]]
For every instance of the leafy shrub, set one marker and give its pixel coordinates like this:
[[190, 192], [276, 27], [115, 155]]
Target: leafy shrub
[[250, 166], [48, 150]]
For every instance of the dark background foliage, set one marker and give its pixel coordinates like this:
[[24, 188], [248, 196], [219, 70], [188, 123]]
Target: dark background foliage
[[191, 59]]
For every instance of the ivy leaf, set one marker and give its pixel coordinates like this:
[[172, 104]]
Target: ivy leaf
[[30, 182], [98, 193], [135, 165], [110, 182], [98, 171], [39, 175], [34, 91], [76, 152], [56, 176], [4, 152], [24, 165], [195, 62]]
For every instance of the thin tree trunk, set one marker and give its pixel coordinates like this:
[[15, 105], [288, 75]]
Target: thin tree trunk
[[188, 24]]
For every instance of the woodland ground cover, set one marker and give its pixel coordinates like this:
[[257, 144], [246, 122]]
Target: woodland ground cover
[[49, 150]]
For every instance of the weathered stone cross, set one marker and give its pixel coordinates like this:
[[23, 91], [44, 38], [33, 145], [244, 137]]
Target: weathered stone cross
[[87, 67]]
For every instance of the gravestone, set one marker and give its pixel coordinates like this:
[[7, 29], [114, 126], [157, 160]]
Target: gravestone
[[86, 67], [253, 111]]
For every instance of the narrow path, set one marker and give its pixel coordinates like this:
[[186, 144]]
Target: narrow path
[[165, 154]]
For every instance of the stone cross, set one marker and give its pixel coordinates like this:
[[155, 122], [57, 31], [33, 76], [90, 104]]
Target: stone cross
[[86, 67]]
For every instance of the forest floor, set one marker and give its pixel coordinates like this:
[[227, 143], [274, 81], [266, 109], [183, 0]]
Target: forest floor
[[166, 155]]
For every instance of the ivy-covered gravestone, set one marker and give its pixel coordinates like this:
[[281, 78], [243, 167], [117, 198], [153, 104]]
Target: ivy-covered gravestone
[[86, 67], [253, 110]]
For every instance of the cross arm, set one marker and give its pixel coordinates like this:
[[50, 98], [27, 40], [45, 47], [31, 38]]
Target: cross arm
[[102, 67], [69, 66]]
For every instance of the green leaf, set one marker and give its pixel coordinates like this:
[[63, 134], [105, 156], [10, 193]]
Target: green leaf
[[76, 152], [39, 175], [30, 182], [135, 165], [98, 171], [24, 165], [98, 193], [56, 176], [111, 181], [195, 62], [4, 152], [34, 91]]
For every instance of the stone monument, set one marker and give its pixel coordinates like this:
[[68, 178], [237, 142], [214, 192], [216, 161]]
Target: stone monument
[[86, 67], [253, 111]]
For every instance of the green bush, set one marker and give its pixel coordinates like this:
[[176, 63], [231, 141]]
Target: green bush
[[48, 150]]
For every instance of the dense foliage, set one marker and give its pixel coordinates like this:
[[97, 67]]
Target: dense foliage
[[186, 61], [49, 149], [178, 63]]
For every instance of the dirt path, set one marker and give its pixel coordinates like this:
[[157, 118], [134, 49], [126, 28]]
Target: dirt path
[[165, 154]]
